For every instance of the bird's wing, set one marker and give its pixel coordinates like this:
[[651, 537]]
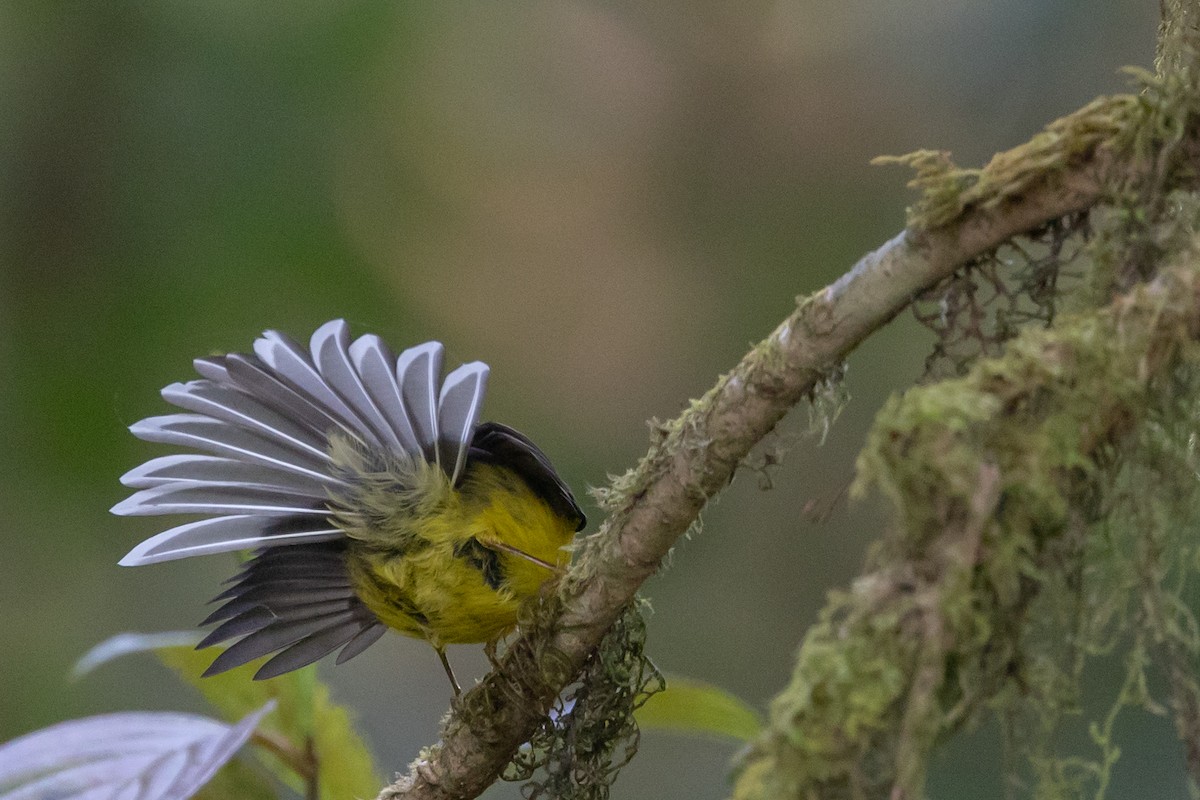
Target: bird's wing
[[296, 602], [499, 444]]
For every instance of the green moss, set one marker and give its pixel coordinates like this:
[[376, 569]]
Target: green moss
[[949, 191], [1139, 127], [952, 587]]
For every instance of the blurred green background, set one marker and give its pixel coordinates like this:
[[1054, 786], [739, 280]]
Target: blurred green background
[[605, 201]]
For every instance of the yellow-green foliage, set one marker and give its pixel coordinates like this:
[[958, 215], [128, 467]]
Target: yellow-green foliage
[[238, 779], [304, 711], [687, 705]]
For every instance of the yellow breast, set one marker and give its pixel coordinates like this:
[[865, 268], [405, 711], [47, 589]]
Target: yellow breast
[[457, 569]]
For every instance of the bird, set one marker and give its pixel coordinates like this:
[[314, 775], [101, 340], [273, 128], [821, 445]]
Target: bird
[[369, 492]]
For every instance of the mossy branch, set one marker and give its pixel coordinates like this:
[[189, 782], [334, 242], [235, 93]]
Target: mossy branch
[[963, 214], [935, 629], [987, 474]]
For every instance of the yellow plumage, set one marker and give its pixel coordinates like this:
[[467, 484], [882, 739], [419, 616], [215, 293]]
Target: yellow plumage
[[371, 492], [413, 538]]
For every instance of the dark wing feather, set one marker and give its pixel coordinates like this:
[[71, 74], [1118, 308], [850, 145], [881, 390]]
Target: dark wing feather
[[254, 597], [275, 636], [499, 444], [367, 636], [247, 622], [295, 601], [310, 649]]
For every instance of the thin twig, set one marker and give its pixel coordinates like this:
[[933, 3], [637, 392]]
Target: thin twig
[[301, 762]]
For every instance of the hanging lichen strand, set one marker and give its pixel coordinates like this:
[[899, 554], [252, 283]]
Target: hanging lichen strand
[[592, 734], [990, 300], [1121, 591]]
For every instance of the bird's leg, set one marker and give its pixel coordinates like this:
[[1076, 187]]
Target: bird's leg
[[441, 651]]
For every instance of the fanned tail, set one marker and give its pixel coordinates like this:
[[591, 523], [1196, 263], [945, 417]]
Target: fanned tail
[[264, 477]]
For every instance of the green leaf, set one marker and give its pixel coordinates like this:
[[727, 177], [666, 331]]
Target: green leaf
[[303, 711], [347, 769], [241, 779], [691, 706]]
